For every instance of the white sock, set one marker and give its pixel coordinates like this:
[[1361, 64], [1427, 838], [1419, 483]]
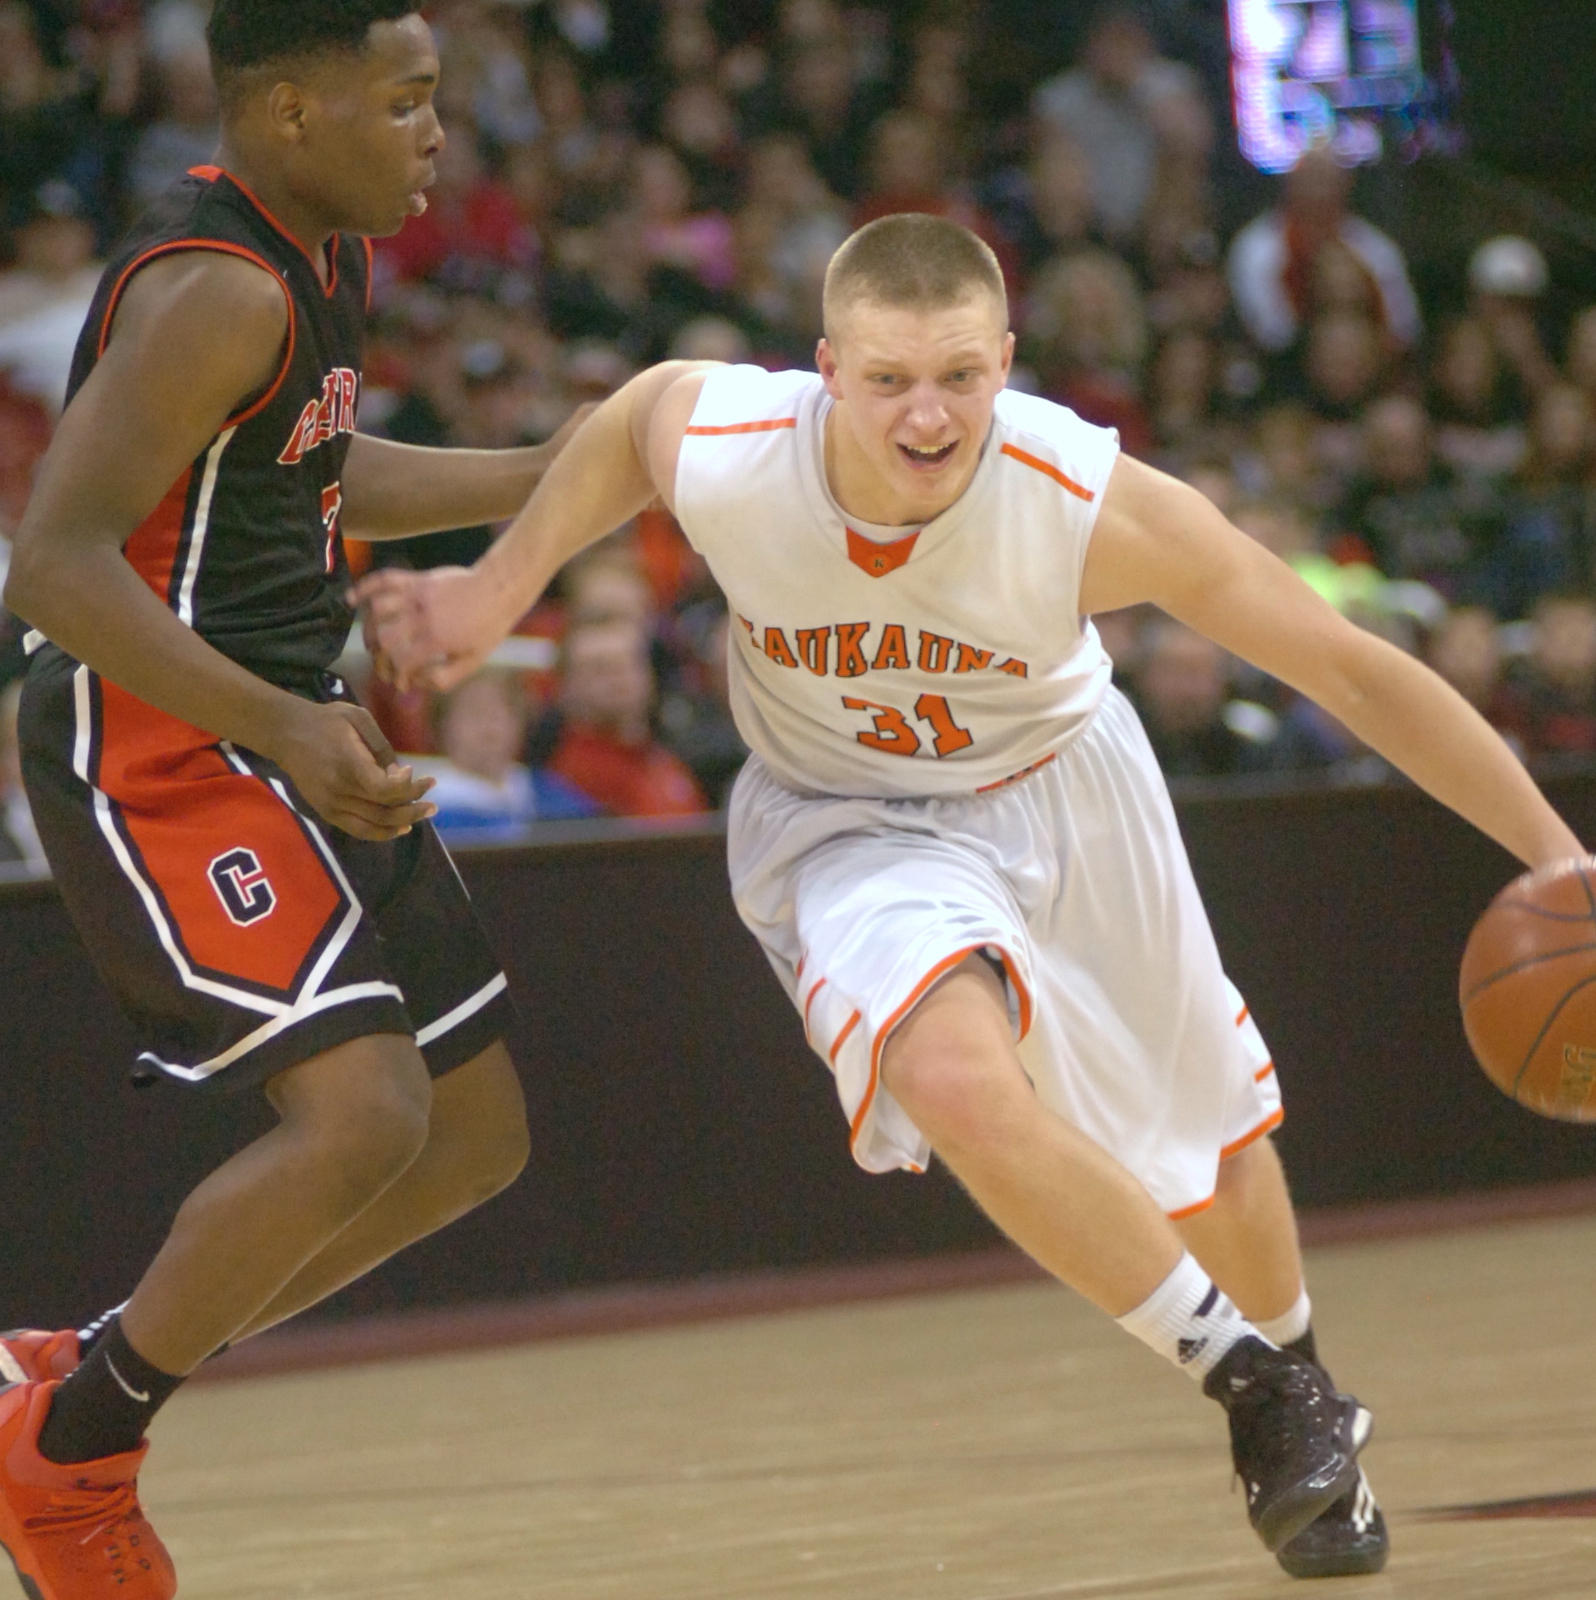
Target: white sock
[[1188, 1321], [1290, 1325]]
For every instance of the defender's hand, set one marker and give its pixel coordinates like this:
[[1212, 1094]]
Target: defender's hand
[[342, 764], [429, 630]]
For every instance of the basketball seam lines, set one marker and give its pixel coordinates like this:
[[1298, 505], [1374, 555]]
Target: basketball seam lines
[[1520, 966], [1546, 1027], [1541, 911]]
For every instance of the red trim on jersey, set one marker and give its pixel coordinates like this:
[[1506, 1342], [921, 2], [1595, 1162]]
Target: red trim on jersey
[[151, 549], [184, 805], [1050, 470], [768, 426], [877, 560], [371, 257], [221, 247], [211, 174]]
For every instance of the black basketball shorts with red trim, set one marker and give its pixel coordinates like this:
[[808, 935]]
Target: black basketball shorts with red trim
[[241, 933]]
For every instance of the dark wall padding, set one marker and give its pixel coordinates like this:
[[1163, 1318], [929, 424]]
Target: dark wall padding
[[681, 1127]]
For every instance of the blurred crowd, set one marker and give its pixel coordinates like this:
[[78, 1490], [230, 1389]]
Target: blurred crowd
[[626, 180]]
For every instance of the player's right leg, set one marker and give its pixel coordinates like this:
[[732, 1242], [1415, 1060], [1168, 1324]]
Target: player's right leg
[[952, 1066]]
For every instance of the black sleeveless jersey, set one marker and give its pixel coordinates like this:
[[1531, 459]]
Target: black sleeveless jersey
[[245, 547]]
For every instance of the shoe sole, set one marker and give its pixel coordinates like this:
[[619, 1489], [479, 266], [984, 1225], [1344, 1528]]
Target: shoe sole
[[1348, 1565], [1292, 1511]]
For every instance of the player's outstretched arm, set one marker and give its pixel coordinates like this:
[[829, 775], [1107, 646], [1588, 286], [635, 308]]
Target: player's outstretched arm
[[395, 491], [1158, 540], [436, 628], [195, 336]]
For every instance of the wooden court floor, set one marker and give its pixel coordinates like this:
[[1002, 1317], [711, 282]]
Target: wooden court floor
[[1004, 1444]]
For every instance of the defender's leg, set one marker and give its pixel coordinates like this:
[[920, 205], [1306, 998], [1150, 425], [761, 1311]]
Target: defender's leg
[[477, 1144]]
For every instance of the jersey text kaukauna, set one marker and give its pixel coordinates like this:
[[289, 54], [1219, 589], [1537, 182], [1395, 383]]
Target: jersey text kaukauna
[[851, 649]]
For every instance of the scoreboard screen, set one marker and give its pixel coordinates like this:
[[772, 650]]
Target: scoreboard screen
[[1347, 73]]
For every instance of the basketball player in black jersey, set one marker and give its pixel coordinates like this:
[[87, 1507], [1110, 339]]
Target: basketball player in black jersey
[[253, 872]]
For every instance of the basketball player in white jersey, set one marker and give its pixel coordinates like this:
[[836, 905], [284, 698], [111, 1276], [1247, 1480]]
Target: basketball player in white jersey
[[952, 839]]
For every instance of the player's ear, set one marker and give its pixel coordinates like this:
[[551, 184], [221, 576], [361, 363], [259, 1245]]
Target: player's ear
[[1008, 355], [826, 366], [285, 111]]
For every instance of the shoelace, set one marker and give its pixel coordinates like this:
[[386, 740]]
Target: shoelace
[[95, 1509]]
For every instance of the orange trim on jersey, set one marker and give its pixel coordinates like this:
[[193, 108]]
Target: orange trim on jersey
[[1050, 470], [1191, 1211], [211, 174], [877, 560], [1263, 1072], [842, 1037], [883, 1033], [744, 427], [798, 972], [371, 258], [1268, 1125], [151, 549], [1241, 1016], [809, 1002], [185, 806], [221, 247], [1015, 777]]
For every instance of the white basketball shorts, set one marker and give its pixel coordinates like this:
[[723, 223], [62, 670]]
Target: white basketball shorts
[[1076, 879]]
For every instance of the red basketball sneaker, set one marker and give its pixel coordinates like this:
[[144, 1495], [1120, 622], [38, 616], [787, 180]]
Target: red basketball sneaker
[[29, 1355], [74, 1532]]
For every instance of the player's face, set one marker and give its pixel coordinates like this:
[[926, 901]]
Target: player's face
[[914, 393], [374, 132]]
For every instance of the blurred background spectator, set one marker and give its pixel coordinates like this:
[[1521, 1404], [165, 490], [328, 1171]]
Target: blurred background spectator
[[626, 182], [604, 744], [482, 788]]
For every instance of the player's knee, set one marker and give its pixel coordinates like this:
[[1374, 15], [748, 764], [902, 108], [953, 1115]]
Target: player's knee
[[365, 1109], [387, 1128], [943, 1083]]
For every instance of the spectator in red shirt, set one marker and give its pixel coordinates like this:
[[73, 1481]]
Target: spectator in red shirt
[[606, 746]]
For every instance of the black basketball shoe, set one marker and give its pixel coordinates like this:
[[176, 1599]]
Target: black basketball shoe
[[1347, 1541], [1293, 1438]]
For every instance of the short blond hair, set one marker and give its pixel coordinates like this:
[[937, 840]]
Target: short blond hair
[[914, 261]]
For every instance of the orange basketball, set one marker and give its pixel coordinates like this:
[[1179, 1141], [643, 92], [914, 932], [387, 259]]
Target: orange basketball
[[1528, 990]]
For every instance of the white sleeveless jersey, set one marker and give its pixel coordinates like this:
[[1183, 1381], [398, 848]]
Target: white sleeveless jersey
[[948, 661]]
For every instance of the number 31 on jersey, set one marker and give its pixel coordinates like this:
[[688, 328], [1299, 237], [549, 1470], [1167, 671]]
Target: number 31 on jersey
[[893, 733]]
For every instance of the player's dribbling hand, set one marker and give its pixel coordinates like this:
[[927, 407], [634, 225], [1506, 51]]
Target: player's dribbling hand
[[427, 630], [344, 767]]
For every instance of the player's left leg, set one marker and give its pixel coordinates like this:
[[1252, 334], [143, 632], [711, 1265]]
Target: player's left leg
[[477, 1144], [1247, 1243], [1247, 1239]]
